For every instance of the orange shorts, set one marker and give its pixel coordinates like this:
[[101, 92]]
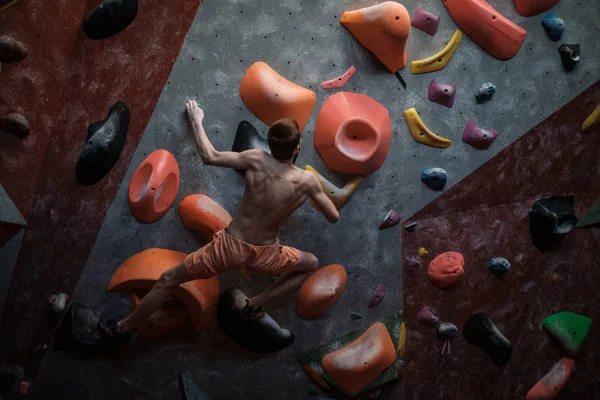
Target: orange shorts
[[226, 253]]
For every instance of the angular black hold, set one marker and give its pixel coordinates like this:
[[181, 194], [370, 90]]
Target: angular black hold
[[78, 331], [260, 336], [11, 50], [15, 124], [569, 55], [480, 331], [248, 138], [410, 227], [550, 218], [110, 18], [189, 390], [105, 142]]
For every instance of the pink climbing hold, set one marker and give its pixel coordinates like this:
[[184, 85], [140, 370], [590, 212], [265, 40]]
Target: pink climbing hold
[[391, 219], [425, 21], [427, 317], [441, 93], [378, 296], [411, 264], [339, 82], [478, 137]]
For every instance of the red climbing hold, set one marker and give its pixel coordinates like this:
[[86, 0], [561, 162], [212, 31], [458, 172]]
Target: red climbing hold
[[478, 137], [554, 381], [528, 8], [339, 82], [446, 269], [425, 21], [441, 93]]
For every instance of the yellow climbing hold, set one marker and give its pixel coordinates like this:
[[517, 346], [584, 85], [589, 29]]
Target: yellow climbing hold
[[420, 133], [339, 196], [592, 119], [402, 340], [437, 61], [423, 252], [556, 278], [317, 378]]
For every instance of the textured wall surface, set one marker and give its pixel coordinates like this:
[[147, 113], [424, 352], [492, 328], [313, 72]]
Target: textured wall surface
[[304, 42]]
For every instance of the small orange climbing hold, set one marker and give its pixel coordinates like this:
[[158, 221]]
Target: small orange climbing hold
[[201, 213], [550, 385], [382, 29], [320, 291], [271, 97], [353, 133], [528, 8], [154, 186], [446, 269]]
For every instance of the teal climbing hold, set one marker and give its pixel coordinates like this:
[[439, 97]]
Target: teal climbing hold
[[592, 216], [568, 328]]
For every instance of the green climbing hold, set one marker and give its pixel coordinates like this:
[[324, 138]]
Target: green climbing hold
[[355, 315], [569, 328], [592, 216]]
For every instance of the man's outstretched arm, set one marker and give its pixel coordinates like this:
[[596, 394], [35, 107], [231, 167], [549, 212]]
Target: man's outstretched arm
[[321, 202], [207, 152]]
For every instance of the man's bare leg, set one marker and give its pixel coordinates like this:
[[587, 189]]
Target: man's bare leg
[[156, 297], [288, 282]]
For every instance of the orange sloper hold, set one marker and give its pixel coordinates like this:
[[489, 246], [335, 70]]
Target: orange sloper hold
[[554, 381], [528, 8], [320, 291], [141, 271], [382, 29], [353, 133], [201, 213], [154, 186], [161, 321], [271, 97], [356, 365], [446, 269], [497, 35]]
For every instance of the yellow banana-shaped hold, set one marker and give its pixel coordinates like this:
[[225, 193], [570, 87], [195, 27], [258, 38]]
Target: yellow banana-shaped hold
[[402, 340], [592, 119], [420, 133], [437, 61], [339, 196]]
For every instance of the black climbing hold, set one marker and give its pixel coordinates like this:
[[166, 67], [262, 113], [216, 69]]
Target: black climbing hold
[[15, 124], [410, 227], [447, 329], [79, 332], [110, 18], [105, 142], [262, 335], [435, 178], [248, 138], [554, 26], [189, 390], [11, 50], [569, 55], [480, 331], [550, 218]]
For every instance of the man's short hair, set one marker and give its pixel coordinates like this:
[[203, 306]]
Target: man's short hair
[[283, 138]]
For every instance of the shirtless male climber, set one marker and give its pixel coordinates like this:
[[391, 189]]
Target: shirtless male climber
[[274, 189]]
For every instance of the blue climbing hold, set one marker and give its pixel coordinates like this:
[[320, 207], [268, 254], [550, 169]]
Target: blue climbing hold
[[554, 26], [435, 178], [485, 92], [499, 265]]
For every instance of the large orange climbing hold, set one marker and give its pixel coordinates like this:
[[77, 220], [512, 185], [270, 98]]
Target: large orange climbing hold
[[488, 28], [320, 291], [446, 269], [271, 97], [154, 186], [162, 321], [550, 385], [201, 213], [353, 133], [141, 271], [528, 8], [382, 29], [355, 366]]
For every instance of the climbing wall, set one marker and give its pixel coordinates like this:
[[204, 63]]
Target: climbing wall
[[305, 43]]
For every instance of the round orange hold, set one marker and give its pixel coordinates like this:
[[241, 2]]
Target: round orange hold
[[320, 291], [154, 186], [446, 269], [201, 213]]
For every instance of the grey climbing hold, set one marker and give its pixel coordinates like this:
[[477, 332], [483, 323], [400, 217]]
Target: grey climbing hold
[[15, 124], [434, 178], [410, 227], [447, 329], [485, 92], [569, 55], [411, 265], [427, 317], [554, 26], [391, 219], [550, 218], [355, 315], [11, 50], [110, 18], [499, 265]]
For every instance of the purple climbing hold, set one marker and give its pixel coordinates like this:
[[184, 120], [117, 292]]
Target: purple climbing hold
[[377, 296], [427, 317], [425, 21], [411, 264], [441, 93], [478, 137], [392, 218]]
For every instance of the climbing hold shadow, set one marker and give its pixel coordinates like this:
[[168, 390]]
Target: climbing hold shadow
[[248, 138], [441, 93], [427, 317], [320, 291], [550, 218], [378, 296], [105, 142], [434, 178], [485, 92], [425, 21], [260, 336], [478, 137], [554, 381], [79, 332], [339, 196], [568, 328], [411, 265], [420, 133], [569, 55], [480, 331], [189, 390], [110, 18], [391, 219], [446, 269], [553, 26], [447, 330], [15, 124], [11, 50], [439, 60], [499, 266], [528, 8]]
